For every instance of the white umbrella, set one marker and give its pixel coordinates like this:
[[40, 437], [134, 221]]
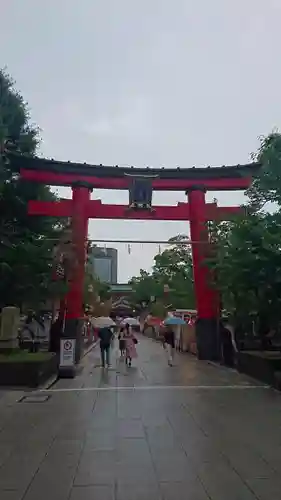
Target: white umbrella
[[131, 322], [103, 322]]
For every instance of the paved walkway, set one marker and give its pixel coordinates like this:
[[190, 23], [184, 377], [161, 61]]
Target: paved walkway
[[194, 431]]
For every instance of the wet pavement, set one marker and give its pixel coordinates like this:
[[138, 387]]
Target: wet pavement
[[194, 431]]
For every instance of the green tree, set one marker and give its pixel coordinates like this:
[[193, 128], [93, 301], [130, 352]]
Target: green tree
[[172, 269], [266, 186], [94, 288], [25, 246], [145, 287], [247, 260]]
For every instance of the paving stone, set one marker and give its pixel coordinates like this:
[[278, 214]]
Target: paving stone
[[173, 466], [19, 470], [55, 477], [201, 449], [137, 491], [11, 495], [103, 423], [222, 482], [96, 468], [100, 441], [130, 428], [133, 452], [135, 474], [153, 419], [266, 489], [5, 452], [185, 490], [248, 463], [161, 439], [54, 491], [129, 410], [92, 493], [72, 431], [66, 447]]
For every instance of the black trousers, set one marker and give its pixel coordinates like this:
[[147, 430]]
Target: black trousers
[[105, 354]]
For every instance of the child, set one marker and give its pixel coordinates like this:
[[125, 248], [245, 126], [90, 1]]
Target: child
[[122, 343]]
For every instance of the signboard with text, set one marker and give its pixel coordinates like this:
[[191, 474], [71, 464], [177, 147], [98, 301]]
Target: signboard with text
[[67, 352]]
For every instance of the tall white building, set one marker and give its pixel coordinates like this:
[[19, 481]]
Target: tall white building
[[104, 263]]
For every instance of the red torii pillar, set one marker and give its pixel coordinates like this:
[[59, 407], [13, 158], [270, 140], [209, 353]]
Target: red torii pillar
[[207, 298], [74, 299]]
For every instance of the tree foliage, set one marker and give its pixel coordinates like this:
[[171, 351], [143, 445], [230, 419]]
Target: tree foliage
[[25, 245], [266, 186], [94, 289], [172, 270], [247, 260]]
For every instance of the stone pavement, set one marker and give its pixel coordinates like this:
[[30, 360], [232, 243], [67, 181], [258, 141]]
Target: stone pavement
[[194, 431]]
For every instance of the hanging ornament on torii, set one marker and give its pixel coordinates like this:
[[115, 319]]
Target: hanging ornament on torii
[[140, 192]]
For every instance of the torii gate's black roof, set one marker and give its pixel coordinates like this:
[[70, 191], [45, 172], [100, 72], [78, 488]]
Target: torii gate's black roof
[[66, 167]]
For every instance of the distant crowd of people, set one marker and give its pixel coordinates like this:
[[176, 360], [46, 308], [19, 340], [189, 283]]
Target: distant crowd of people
[[127, 344], [38, 328]]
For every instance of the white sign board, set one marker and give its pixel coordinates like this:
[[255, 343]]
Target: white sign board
[[67, 352]]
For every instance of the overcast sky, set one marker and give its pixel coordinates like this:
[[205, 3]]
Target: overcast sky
[[146, 83]]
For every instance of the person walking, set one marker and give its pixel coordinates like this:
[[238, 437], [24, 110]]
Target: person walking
[[228, 344], [130, 343], [169, 343], [122, 343], [105, 336], [55, 335]]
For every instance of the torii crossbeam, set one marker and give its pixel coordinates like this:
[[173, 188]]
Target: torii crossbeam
[[95, 209]]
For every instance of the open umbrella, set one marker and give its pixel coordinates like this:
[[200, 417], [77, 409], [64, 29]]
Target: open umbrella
[[154, 321], [174, 320], [130, 321], [103, 322]]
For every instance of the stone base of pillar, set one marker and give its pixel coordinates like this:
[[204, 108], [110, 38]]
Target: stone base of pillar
[[72, 331], [207, 338], [67, 372]]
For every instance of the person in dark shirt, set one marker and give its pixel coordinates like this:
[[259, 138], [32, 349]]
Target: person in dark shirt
[[169, 343], [55, 335], [227, 342], [105, 336]]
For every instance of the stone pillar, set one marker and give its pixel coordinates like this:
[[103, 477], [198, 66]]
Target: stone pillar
[[207, 302], [10, 321], [72, 334]]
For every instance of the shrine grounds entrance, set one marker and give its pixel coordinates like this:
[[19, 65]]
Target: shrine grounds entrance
[[141, 183]]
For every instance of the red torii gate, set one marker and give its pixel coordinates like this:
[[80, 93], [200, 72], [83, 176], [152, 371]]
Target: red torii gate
[[195, 182]]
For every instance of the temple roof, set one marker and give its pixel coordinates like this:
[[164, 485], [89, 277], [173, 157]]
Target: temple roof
[[103, 171], [121, 303]]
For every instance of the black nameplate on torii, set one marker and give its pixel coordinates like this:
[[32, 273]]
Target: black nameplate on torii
[[140, 192]]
